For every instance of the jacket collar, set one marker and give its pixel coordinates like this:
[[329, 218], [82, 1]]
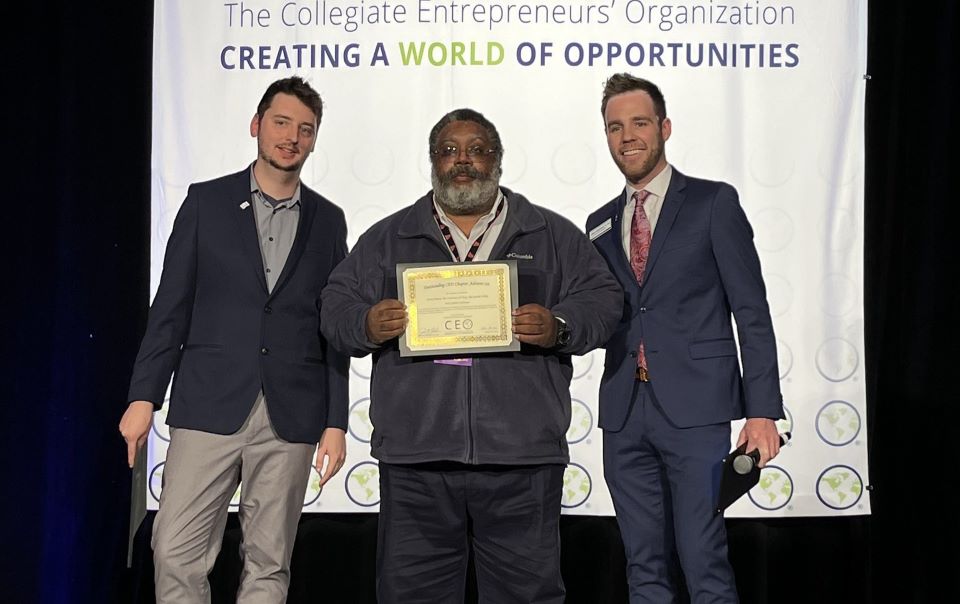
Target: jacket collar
[[676, 194], [522, 217]]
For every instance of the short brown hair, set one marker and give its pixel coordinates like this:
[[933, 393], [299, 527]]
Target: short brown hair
[[294, 86], [620, 83]]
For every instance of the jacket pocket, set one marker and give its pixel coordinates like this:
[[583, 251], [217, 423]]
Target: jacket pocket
[[682, 240], [534, 286], [706, 349], [203, 346]]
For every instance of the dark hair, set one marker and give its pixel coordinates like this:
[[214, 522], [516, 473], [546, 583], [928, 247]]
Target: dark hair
[[294, 86], [467, 115], [620, 83]]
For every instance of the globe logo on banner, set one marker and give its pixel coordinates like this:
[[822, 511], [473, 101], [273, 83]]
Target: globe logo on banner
[[160, 427], [785, 425], [576, 486], [361, 367], [837, 359], [581, 422], [363, 484], [839, 487], [313, 488], [359, 424], [155, 484], [838, 423], [774, 489], [784, 358], [582, 365]]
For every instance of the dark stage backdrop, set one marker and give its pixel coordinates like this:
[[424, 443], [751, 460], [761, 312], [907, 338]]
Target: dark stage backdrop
[[78, 88]]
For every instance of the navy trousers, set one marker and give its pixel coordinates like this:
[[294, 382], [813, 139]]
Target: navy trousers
[[431, 514], [664, 482]]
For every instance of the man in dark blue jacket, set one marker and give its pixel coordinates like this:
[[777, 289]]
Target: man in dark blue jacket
[[236, 320], [683, 251], [472, 450]]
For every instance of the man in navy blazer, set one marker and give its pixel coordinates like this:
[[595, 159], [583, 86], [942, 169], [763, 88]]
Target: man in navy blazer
[[683, 251], [236, 321]]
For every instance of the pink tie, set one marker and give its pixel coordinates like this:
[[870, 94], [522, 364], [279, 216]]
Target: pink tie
[[640, 236]]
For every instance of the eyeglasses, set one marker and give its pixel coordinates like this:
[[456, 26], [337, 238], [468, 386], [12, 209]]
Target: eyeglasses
[[473, 152]]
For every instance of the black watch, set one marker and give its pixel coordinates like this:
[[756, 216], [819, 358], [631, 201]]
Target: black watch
[[563, 332]]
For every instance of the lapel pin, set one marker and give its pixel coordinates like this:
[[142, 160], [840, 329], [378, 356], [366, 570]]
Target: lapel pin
[[245, 205]]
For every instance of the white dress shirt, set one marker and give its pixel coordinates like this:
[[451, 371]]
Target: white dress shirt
[[651, 205]]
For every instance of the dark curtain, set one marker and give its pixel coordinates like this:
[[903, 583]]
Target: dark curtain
[[910, 291], [77, 145]]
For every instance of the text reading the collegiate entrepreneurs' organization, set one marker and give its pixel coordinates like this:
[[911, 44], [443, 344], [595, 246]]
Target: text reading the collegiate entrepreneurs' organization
[[638, 34]]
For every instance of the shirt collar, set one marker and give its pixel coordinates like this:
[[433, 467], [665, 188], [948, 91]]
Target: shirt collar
[[658, 186], [484, 220], [274, 203]]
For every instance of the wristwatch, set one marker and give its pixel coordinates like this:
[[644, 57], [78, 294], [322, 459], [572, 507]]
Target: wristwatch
[[563, 332]]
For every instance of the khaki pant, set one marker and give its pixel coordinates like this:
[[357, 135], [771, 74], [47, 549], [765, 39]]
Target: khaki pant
[[201, 474]]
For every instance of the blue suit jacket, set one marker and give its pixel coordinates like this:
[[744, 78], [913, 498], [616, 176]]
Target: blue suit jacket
[[702, 269], [214, 326]]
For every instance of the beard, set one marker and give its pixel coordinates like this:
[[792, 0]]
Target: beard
[[638, 173], [293, 167], [469, 199]]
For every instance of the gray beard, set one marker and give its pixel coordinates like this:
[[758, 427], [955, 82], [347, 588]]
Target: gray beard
[[459, 200]]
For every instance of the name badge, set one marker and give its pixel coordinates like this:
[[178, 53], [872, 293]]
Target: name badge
[[600, 229], [458, 362]]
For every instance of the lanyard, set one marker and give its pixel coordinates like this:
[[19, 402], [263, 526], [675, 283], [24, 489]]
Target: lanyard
[[448, 236]]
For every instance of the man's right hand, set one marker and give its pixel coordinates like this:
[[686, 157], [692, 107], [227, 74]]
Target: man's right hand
[[385, 320], [135, 425]]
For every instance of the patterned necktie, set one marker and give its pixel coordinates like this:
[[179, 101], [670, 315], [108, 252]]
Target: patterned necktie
[[640, 236]]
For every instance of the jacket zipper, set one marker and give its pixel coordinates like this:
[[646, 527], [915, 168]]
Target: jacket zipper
[[471, 437], [468, 419]]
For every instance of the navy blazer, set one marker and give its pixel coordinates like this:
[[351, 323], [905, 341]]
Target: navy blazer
[[702, 269], [223, 337]]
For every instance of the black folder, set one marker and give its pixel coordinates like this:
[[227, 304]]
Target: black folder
[[733, 484]]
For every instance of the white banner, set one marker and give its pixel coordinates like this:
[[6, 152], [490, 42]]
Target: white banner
[[766, 95]]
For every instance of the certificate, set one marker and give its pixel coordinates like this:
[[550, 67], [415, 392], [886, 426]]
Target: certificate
[[458, 308]]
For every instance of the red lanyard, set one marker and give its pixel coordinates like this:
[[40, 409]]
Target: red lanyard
[[445, 231]]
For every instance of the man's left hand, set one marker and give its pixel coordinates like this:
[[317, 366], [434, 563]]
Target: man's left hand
[[760, 433], [534, 324], [333, 446]]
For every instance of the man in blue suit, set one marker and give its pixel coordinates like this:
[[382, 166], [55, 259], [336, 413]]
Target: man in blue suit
[[683, 252], [236, 320]]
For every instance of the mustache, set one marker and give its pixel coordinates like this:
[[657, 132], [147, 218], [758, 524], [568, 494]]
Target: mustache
[[456, 171]]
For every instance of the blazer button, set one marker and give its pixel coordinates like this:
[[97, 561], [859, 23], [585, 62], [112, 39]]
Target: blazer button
[[643, 309], [633, 354], [267, 309], [264, 350]]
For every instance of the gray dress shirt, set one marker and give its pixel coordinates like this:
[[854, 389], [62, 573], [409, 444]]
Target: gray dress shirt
[[276, 226]]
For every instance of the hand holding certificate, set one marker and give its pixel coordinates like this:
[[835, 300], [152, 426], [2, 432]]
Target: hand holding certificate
[[458, 307], [386, 320]]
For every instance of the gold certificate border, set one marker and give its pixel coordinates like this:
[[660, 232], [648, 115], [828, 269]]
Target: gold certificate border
[[462, 270], [506, 270]]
